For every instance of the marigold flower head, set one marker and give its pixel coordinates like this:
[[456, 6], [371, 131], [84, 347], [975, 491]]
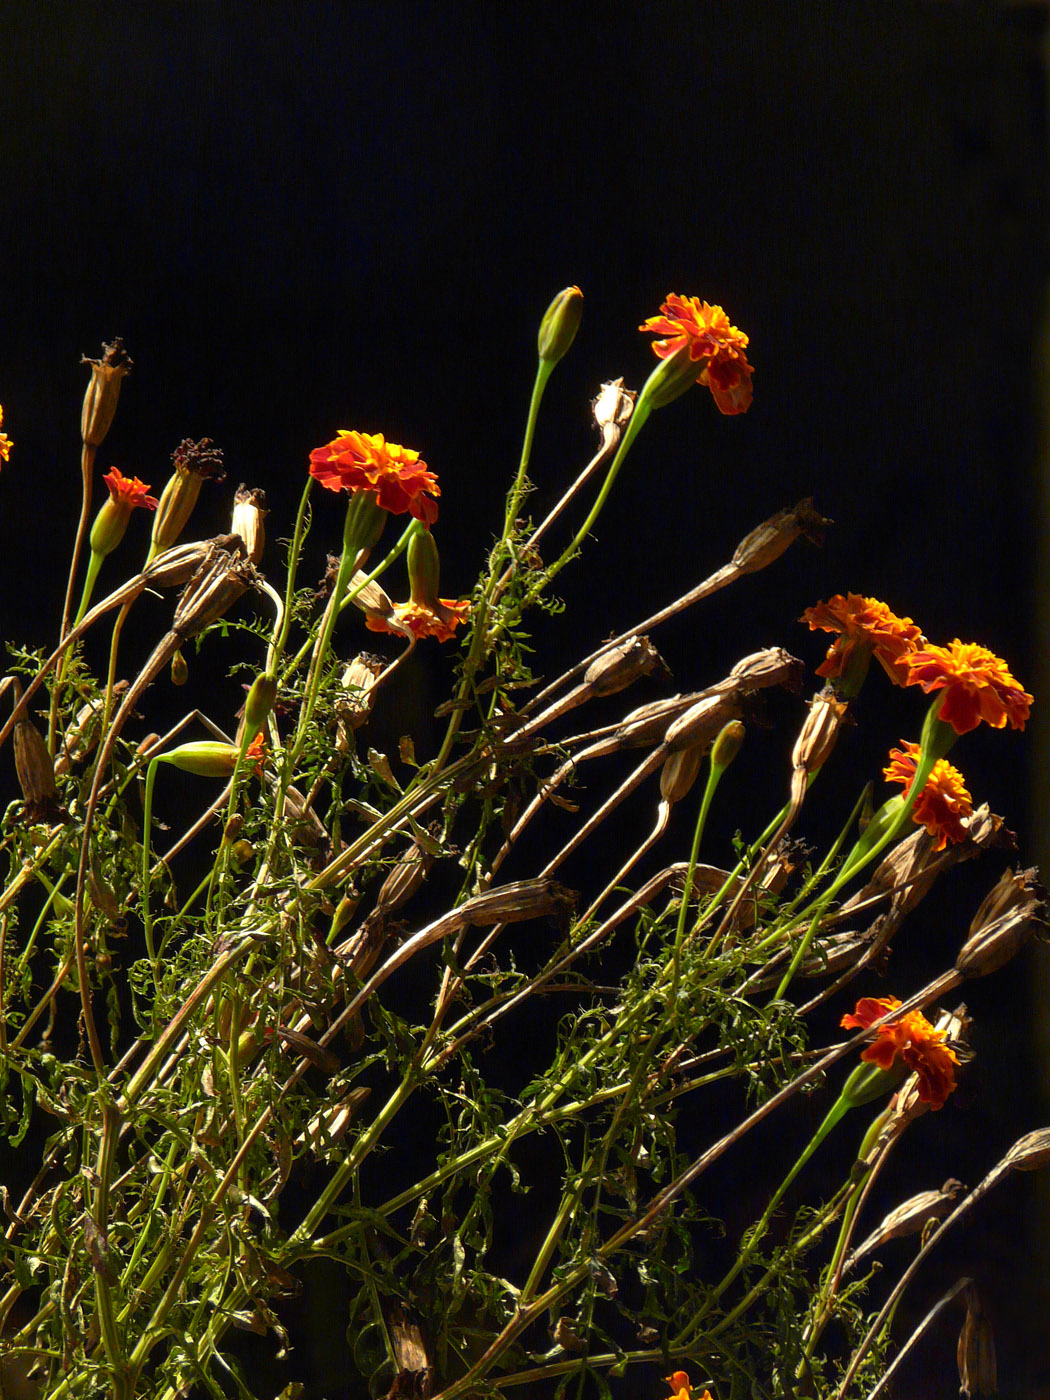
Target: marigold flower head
[[424, 621], [920, 1046], [5, 442], [977, 686], [944, 802], [129, 491], [863, 622], [679, 1383], [715, 346], [367, 462]]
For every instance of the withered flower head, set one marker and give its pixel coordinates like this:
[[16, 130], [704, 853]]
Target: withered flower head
[[621, 665], [103, 391], [36, 774], [422, 620], [827, 713], [359, 680], [768, 541], [613, 407], [975, 1353], [194, 461], [944, 805], [1030, 1153]]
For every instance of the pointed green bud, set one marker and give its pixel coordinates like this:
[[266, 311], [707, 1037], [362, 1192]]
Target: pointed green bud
[[560, 323], [728, 744], [259, 703]]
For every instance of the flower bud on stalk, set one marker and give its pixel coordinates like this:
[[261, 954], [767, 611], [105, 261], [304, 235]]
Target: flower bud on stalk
[[560, 323], [180, 671], [258, 705], [671, 378], [249, 514], [813, 747]]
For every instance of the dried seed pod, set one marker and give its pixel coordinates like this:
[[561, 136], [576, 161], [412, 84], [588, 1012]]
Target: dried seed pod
[[248, 520], [774, 666], [621, 665], [1004, 923], [223, 578], [679, 773], [403, 881], [613, 407], [1029, 1153], [36, 773], [515, 903], [702, 722], [910, 1218], [193, 463], [768, 541], [103, 391], [359, 680], [978, 1379], [827, 713]]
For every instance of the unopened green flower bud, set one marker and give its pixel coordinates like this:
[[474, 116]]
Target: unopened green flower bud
[[207, 758], [259, 703], [560, 323], [671, 379], [241, 852], [728, 744], [869, 1082], [424, 569]]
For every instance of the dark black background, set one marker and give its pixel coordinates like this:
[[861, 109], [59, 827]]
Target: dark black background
[[309, 216]]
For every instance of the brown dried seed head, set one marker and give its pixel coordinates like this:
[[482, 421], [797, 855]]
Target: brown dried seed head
[[359, 680], [702, 722], [978, 1378], [613, 406], [768, 541], [248, 521], [619, 667], [1030, 1152], [103, 391], [912, 1216], [516, 902], [679, 773], [36, 772], [1005, 921], [816, 740], [223, 578], [774, 666], [403, 881]]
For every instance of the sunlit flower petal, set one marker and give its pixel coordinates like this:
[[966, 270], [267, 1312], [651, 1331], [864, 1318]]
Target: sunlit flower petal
[[977, 686], [367, 462], [864, 622], [423, 621], [679, 1383], [5, 442], [129, 491], [715, 346], [920, 1046], [944, 803]]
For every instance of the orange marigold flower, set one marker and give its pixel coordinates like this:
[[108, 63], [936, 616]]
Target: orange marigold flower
[[714, 345], [864, 622], [129, 491], [5, 442], [679, 1383], [977, 686], [424, 621], [921, 1047], [255, 753], [943, 803], [366, 462]]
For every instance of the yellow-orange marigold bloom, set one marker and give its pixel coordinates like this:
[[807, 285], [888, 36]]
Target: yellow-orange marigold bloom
[[943, 803], [977, 686], [367, 462], [864, 622], [921, 1047], [129, 491], [714, 345], [5, 442], [423, 621], [679, 1383]]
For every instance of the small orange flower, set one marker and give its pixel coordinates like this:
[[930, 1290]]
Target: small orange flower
[[5, 442], [977, 686], [715, 345], [864, 622], [679, 1383], [366, 462], [943, 803], [129, 491], [424, 621], [921, 1047], [255, 753]]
